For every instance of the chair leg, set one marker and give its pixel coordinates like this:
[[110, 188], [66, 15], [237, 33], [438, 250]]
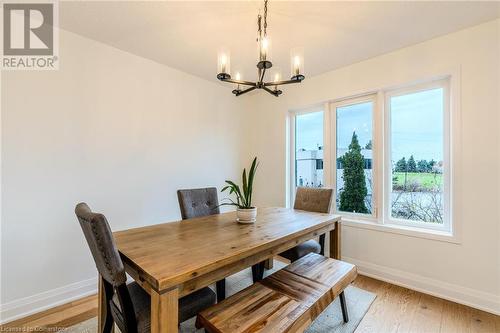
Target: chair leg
[[108, 324], [220, 287], [343, 305], [258, 272]]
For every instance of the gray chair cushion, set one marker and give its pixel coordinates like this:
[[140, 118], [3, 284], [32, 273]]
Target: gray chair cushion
[[297, 252], [198, 202], [189, 305]]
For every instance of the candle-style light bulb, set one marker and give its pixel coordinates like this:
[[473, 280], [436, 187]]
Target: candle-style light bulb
[[238, 78], [264, 48], [296, 65], [223, 62]]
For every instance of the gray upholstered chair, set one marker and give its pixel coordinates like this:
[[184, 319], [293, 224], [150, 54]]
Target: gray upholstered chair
[[312, 200], [128, 305], [316, 200], [199, 202]]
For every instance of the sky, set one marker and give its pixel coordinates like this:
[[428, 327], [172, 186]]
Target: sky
[[416, 126]]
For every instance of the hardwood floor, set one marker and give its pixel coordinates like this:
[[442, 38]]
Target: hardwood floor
[[398, 309], [395, 309], [56, 318]]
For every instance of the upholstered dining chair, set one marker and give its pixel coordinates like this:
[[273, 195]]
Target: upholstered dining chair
[[312, 200], [127, 305], [317, 200], [199, 202]]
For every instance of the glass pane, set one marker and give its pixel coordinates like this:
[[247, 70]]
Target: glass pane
[[354, 158], [417, 156], [309, 149]]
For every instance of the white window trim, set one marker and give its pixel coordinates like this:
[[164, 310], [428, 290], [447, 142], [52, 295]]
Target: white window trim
[[454, 235], [386, 216]]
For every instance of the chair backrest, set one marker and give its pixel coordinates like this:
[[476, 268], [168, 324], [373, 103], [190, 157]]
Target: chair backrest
[[110, 266], [198, 202], [316, 200], [102, 245]]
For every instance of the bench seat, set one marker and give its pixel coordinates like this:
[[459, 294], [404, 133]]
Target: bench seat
[[286, 301]]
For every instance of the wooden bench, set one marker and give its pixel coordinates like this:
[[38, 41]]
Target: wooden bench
[[286, 301]]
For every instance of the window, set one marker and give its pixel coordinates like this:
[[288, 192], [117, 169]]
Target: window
[[354, 141], [416, 161], [387, 157], [309, 149]]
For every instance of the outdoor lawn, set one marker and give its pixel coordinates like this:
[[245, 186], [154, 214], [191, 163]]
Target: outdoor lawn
[[425, 181]]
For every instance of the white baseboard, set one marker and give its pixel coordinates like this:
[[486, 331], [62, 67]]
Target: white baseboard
[[29, 305], [471, 297]]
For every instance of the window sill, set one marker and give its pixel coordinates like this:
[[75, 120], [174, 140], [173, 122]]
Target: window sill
[[402, 230]]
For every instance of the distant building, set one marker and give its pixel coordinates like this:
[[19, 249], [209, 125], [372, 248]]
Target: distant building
[[309, 167]]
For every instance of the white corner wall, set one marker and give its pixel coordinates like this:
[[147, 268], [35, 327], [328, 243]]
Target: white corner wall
[[115, 130], [468, 272]]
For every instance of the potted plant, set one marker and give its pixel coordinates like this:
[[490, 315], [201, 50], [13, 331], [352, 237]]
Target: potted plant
[[245, 212]]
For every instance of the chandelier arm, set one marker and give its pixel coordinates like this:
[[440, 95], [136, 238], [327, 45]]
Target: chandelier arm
[[241, 92], [245, 83], [267, 84], [272, 92]]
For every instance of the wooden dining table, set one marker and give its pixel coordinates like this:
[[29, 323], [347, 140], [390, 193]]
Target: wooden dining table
[[171, 260]]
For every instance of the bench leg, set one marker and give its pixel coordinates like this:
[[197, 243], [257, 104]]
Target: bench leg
[[258, 272], [343, 305], [220, 288]]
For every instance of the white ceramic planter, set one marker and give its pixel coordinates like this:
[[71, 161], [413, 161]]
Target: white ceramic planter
[[246, 215]]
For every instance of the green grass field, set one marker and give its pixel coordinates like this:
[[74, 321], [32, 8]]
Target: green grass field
[[424, 180]]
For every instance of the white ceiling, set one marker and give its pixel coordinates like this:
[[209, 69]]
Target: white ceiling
[[187, 35]]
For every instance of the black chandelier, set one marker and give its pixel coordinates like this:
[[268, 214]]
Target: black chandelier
[[297, 65]]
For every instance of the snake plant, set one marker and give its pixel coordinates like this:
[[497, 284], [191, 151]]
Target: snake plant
[[243, 194]]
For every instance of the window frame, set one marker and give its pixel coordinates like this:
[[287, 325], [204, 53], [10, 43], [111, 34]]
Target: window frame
[[292, 129], [447, 190], [452, 231], [334, 105]]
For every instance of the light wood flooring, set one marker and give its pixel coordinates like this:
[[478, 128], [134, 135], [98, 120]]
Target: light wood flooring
[[395, 309]]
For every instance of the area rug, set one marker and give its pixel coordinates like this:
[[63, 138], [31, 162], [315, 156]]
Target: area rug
[[358, 303]]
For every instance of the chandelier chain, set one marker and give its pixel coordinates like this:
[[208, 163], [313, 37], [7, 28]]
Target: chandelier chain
[[265, 18]]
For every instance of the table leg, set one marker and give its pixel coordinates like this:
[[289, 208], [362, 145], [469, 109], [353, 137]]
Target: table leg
[[335, 242], [101, 306], [268, 264], [165, 311]]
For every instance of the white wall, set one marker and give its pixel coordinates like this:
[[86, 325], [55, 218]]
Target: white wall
[[115, 130], [467, 272]]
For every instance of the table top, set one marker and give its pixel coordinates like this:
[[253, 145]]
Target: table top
[[179, 251]]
